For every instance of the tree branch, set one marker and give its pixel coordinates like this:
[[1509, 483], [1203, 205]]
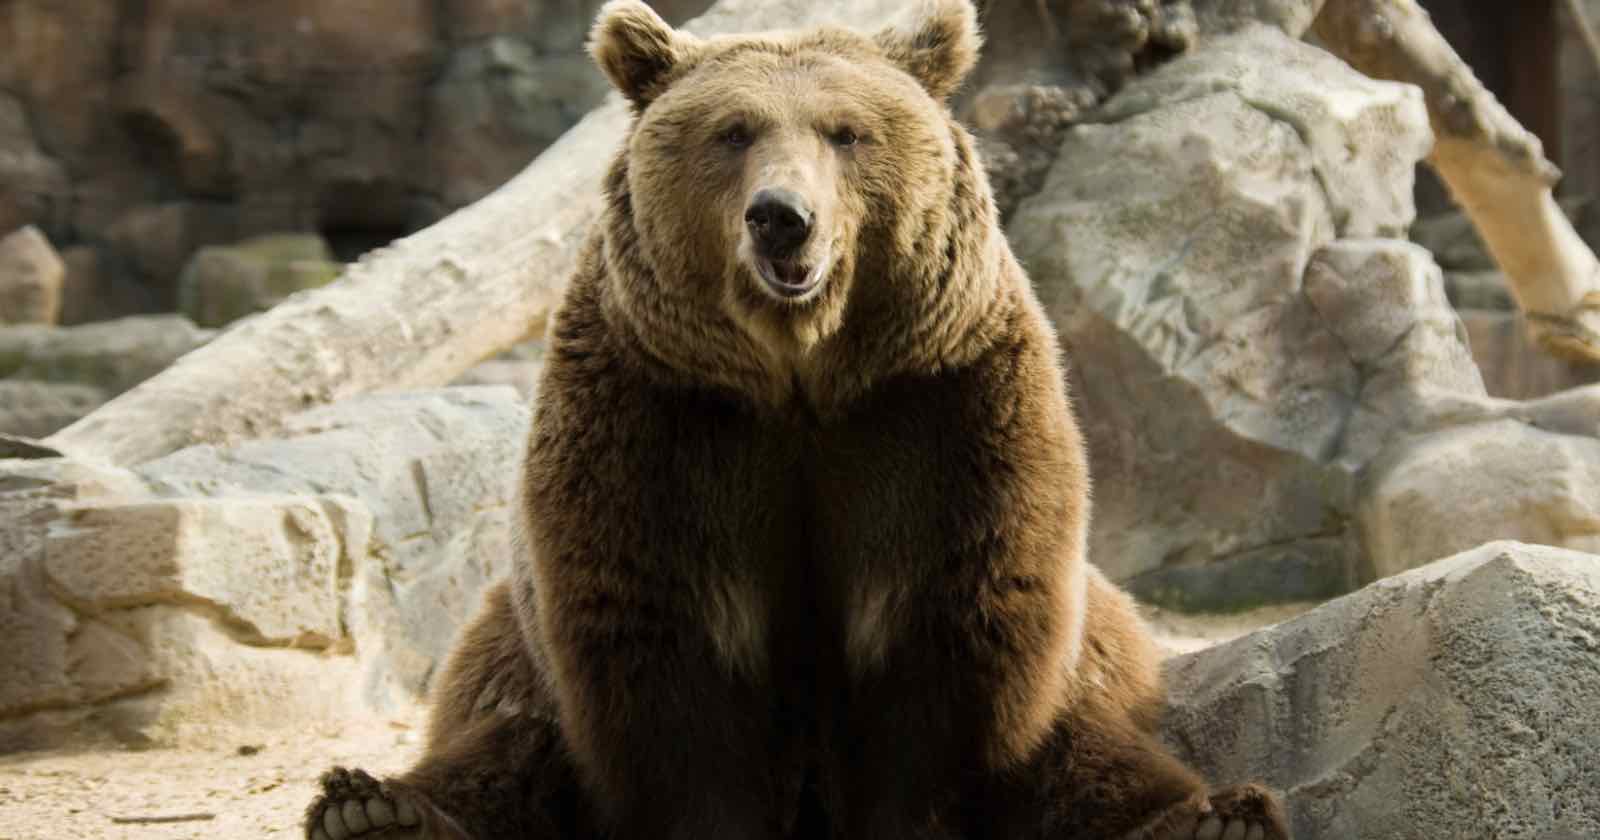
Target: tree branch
[[1495, 168]]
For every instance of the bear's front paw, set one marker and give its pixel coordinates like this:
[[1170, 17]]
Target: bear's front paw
[[1245, 812], [355, 806]]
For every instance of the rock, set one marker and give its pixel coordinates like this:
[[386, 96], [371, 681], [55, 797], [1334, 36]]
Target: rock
[[265, 568], [111, 355], [309, 578], [435, 471], [496, 101], [224, 283], [1234, 363], [31, 275], [1457, 488], [1364, 136], [1223, 17], [40, 409], [1452, 701], [55, 659]]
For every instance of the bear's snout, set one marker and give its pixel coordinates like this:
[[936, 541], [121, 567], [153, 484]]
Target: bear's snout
[[779, 222]]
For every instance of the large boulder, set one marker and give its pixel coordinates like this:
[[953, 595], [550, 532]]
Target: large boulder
[[1456, 700], [31, 277], [1363, 137], [433, 472], [1235, 361], [314, 576]]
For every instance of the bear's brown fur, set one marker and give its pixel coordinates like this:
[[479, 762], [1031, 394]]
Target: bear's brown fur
[[805, 510]]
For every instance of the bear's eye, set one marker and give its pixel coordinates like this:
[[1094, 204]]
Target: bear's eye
[[845, 137], [736, 136]]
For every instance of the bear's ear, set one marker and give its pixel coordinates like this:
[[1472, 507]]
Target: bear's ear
[[939, 47], [636, 49]]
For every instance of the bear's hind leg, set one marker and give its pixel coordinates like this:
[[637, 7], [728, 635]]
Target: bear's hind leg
[[1103, 776], [494, 766]]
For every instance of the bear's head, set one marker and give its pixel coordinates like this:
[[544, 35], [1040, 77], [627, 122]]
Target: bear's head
[[780, 191]]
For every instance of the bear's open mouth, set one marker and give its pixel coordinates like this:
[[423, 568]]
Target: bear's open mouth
[[790, 278]]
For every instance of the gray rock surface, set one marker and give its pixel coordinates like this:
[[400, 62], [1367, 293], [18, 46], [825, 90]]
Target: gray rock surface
[[31, 277], [1235, 362], [1364, 137], [1456, 700], [266, 567], [110, 355], [434, 472], [300, 578]]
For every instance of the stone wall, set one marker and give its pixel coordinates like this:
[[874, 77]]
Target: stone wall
[[134, 133]]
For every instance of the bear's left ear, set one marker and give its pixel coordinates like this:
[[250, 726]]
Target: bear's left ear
[[636, 49], [939, 47]]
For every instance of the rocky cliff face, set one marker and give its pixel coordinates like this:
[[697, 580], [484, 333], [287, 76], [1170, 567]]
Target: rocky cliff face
[[140, 131]]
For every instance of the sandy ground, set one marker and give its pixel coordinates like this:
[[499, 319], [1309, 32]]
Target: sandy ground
[[257, 785], [256, 788]]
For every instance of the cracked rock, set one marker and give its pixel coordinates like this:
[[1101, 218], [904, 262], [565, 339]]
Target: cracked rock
[[1456, 700], [1234, 360], [434, 469], [265, 568], [1364, 136]]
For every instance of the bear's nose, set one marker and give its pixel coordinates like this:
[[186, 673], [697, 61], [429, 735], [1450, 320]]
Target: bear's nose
[[779, 222]]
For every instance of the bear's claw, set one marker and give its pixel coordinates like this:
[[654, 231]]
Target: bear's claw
[[355, 805]]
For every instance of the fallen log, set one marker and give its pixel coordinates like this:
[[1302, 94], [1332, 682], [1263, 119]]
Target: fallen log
[[418, 312]]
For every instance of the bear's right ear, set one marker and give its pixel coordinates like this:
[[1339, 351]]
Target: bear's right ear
[[636, 49]]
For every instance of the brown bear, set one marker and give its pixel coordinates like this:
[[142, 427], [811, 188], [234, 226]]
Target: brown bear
[[804, 503]]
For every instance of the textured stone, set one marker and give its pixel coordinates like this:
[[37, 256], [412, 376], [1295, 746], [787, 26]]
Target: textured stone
[[268, 566], [1234, 363], [31, 277], [1456, 700], [435, 471], [1364, 136]]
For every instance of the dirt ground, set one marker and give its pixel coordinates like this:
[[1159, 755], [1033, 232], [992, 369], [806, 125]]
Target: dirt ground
[[255, 787]]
